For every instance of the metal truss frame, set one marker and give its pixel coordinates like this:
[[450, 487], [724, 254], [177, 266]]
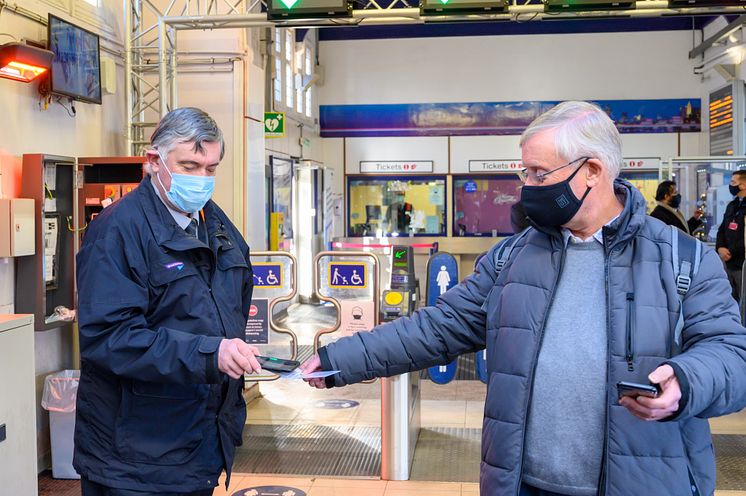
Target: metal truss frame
[[152, 60]]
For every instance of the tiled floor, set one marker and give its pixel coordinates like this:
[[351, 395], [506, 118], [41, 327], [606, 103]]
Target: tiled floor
[[346, 487], [459, 404]]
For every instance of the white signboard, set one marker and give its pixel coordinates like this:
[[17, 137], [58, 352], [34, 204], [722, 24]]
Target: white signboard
[[356, 316], [397, 166], [495, 165], [640, 163]]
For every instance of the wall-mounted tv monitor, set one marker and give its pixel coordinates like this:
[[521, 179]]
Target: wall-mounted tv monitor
[[76, 68]]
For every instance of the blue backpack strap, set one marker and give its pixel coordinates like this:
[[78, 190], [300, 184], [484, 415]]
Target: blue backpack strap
[[685, 255], [502, 255]]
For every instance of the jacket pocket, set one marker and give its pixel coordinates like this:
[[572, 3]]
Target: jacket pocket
[[629, 348], [161, 424]]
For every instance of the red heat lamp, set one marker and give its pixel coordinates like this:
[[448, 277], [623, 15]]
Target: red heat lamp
[[23, 62]]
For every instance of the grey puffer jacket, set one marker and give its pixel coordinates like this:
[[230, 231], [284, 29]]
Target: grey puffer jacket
[[507, 316]]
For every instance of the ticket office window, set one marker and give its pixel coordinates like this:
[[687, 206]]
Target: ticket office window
[[396, 206], [647, 182], [481, 204]]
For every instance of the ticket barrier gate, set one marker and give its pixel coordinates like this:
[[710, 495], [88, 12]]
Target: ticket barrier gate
[[275, 276], [350, 281], [400, 395]]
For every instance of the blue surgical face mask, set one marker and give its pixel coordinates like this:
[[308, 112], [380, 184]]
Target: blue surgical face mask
[[188, 193]]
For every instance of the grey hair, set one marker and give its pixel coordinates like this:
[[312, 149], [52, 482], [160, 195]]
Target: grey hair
[[582, 130], [185, 125]]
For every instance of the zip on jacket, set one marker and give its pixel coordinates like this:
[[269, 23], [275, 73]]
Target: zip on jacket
[[629, 353]]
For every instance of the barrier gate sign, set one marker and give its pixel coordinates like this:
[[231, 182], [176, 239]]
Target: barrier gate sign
[[442, 275], [257, 327], [349, 281], [274, 278], [267, 275], [348, 275], [357, 316]]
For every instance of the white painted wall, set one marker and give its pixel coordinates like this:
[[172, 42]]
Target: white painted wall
[[611, 66], [509, 68], [433, 149], [96, 130]]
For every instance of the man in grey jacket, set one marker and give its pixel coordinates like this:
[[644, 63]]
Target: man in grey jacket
[[586, 299]]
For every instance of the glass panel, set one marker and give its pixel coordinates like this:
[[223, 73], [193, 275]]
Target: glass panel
[[309, 62], [278, 40], [646, 182], [482, 204], [278, 79], [289, 35], [289, 93], [299, 57], [299, 94], [397, 206], [309, 101], [282, 192]]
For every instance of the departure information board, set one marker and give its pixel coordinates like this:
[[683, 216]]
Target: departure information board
[[721, 121]]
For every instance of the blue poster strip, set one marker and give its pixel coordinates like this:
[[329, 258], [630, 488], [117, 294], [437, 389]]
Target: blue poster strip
[[348, 275], [267, 275], [498, 118]]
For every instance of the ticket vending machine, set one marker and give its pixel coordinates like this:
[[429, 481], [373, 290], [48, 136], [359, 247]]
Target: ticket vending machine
[[402, 297]]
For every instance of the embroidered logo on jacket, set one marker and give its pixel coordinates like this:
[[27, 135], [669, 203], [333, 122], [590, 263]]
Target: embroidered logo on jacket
[[175, 265]]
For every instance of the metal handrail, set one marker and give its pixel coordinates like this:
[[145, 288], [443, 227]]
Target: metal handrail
[[333, 301], [274, 301]]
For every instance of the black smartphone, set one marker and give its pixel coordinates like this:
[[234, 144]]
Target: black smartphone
[[274, 364], [634, 389]]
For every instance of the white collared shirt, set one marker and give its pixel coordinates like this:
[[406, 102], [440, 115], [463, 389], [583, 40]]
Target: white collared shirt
[[569, 237]]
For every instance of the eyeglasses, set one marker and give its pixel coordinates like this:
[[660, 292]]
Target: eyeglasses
[[539, 177]]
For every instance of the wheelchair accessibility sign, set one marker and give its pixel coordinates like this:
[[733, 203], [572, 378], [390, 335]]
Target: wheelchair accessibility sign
[[267, 275], [348, 275]]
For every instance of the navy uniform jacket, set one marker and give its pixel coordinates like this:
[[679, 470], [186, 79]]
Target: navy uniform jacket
[[154, 413]]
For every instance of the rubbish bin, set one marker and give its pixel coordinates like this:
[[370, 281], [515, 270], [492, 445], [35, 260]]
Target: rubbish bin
[[60, 392]]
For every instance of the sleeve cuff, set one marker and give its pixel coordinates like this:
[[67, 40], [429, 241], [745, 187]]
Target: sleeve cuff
[[685, 390], [326, 365], [208, 346]]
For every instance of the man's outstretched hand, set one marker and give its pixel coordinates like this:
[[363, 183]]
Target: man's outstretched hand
[[236, 357], [313, 364]]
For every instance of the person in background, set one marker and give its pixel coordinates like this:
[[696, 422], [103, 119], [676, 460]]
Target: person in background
[[587, 298], [164, 289], [518, 218], [669, 199], [730, 242]]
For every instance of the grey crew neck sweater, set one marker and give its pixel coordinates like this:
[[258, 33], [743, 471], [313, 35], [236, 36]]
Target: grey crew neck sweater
[[565, 429]]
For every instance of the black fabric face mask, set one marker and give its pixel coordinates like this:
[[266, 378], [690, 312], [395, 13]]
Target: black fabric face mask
[[675, 201], [734, 189], [554, 205]]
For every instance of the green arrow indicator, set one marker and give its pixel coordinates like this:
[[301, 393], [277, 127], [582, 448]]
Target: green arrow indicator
[[399, 254], [444, 2], [289, 3]]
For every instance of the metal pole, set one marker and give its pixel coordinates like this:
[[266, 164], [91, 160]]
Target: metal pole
[[162, 68], [174, 91], [128, 88]]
